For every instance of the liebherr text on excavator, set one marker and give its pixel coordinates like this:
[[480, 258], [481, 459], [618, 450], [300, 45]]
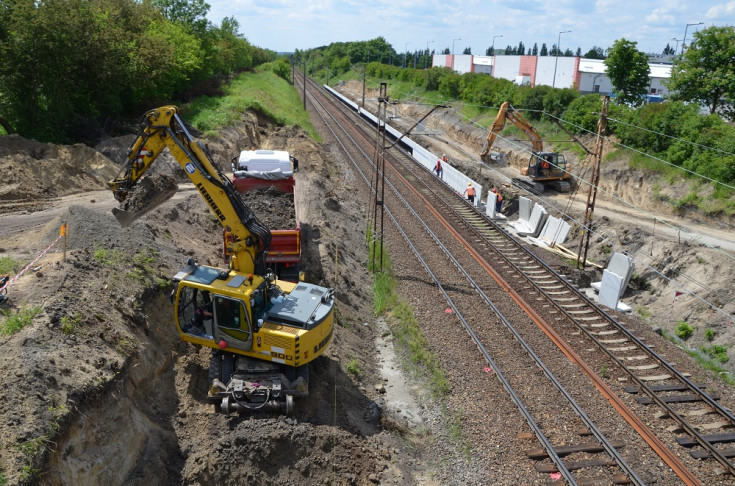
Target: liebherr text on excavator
[[263, 332], [544, 168]]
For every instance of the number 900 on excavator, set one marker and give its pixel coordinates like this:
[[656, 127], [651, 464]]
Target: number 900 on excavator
[[263, 331]]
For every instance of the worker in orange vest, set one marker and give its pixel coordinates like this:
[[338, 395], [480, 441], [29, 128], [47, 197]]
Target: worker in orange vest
[[439, 169], [470, 192], [498, 200]]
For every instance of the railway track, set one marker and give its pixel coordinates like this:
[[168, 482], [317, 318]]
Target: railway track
[[545, 296]]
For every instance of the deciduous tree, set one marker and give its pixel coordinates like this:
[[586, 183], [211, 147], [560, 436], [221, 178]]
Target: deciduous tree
[[628, 70], [705, 74]]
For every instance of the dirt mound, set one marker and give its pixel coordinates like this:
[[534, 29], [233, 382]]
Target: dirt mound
[[271, 206], [30, 169]]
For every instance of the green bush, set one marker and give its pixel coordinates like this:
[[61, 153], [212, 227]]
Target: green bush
[[281, 67], [683, 330], [716, 352], [709, 334]]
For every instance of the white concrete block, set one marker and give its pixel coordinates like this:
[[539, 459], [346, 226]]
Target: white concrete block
[[610, 289], [524, 208], [490, 206]]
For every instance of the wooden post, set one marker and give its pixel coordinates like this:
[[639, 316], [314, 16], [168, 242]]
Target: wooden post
[[64, 231]]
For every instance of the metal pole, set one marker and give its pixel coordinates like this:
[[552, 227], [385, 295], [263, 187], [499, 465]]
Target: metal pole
[[426, 59], [685, 35], [553, 82], [304, 83], [677, 44], [363, 86], [492, 48], [405, 49], [594, 181]]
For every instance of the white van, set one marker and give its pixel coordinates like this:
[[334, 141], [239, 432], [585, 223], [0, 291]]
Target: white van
[[263, 161]]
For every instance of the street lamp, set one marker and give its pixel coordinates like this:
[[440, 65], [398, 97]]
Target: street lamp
[[553, 82], [677, 44], [492, 48], [426, 60], [684, 41], [405, 49], [453, 45]]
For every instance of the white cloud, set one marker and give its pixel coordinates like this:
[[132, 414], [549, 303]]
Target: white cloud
[[718, 11], [660, 16]]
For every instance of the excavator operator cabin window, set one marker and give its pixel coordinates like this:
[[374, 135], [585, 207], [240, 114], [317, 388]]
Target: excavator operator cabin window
[[230, 313], [187, 305]]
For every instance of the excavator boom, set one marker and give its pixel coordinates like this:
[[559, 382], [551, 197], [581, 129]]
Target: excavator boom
[[163, 128]]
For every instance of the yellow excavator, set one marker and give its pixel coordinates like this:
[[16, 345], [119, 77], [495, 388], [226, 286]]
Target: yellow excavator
[[263, 332], [544, 168]]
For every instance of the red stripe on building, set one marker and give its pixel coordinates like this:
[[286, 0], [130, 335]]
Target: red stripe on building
[[577, 74], [527, 67]]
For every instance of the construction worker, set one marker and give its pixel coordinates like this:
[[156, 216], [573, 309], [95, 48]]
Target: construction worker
[[470, 192], [439, 169], [444, 158], [498, 200], [545, 168]]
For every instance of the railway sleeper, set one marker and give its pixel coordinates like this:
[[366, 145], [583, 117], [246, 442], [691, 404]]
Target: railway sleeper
[[570, 449], [575, 465], [712, 439], [677, 399]]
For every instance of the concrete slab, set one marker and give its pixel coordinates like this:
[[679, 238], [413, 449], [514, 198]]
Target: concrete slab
[[610, 289], [536, 223], [621, 265], [525, 206]]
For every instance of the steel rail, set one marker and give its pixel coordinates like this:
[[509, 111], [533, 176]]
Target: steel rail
[[573, 404], [633, 420]]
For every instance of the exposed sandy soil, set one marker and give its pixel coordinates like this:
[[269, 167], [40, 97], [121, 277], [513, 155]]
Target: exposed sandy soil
[[99, 389]]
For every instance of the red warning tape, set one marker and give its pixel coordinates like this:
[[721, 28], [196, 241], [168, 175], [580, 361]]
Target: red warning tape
[[30, 264]]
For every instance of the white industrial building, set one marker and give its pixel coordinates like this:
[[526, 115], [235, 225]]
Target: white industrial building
[[585, 75]]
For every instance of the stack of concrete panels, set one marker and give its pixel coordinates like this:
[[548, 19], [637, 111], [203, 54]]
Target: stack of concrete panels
[[615, 280], [621, 265], [555, 231], [532, 226]]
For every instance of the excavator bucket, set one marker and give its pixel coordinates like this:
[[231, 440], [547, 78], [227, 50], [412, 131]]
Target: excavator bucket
[[145, 196]]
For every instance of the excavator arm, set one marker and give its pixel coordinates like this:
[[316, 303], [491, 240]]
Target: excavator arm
[[163, 128], [507, 112]]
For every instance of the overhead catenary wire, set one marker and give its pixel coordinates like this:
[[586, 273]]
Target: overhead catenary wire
[[605, 237], [637, 254]]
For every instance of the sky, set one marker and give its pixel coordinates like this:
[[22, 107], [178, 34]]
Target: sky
[[285, 25]]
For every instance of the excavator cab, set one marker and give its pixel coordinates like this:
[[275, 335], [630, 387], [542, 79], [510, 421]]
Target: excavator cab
[[547, 165]]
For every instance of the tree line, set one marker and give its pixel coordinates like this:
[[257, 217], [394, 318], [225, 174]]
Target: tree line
[[70, 67], [700, 78]]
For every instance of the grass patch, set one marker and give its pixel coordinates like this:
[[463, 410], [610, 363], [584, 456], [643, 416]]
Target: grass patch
[[69, 324], [643, 312], [353, 368], [406, 329], [33, 450], [8, 265], [263, 91], [106, 256], [716, 352], [14, 322], [683, 330]]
